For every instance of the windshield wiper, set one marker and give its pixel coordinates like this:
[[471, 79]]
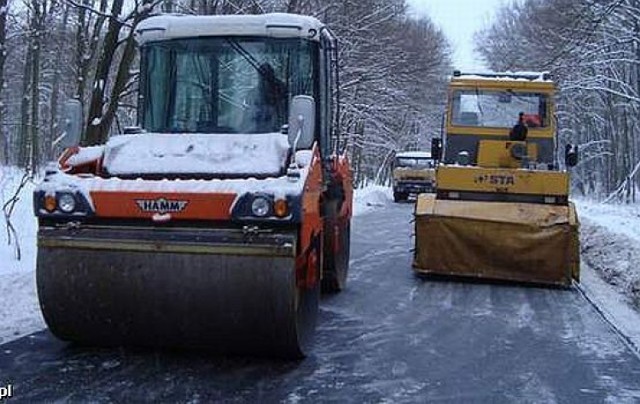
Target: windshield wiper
[[247, 56]]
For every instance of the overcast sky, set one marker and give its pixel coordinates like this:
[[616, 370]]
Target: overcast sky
[[459, 19]]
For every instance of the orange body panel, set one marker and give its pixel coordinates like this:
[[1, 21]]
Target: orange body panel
[[89, 167], [309, 260], [197, 207], [346, 177]]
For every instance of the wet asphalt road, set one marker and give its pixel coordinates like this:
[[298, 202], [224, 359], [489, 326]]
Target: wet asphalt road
[[391, 337]]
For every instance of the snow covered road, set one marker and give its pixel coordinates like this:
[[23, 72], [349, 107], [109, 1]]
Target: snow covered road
[[391, 337]]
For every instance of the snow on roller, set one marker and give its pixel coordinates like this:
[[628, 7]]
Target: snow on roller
[[217, 222]]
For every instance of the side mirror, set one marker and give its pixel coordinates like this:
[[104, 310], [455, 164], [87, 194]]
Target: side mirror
[[436, 149], [72, 124], [571, 155], [302, 122]]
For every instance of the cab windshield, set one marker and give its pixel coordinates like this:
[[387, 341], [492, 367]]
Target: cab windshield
[[414, 162], [498, 109], [224, 85]]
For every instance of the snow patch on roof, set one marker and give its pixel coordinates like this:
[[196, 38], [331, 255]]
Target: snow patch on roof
[[509, 76], [521, 76], [231, 154], [173, 26], [414, 154]]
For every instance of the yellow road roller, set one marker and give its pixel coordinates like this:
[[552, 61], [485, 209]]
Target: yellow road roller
[[501, 209]]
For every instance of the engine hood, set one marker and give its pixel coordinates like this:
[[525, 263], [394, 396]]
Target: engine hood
[[184, 155]]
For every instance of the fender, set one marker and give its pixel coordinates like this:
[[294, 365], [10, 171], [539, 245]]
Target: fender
[[309, 260]]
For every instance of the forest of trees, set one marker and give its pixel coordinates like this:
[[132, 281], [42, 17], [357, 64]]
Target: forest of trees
[[393, 71], [592, 48]]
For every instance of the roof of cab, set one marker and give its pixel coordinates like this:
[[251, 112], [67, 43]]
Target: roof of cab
[[540, 81], [414, 154], [281, 25]]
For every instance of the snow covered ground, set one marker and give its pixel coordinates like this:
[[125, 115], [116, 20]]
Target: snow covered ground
[[370, 198], [19, 311], [610, 252], [610, 244], [610, 236]]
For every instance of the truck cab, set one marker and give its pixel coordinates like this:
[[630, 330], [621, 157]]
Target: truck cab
[[413, 173]]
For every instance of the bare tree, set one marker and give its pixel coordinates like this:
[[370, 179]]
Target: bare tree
[[4, 143], [393, 71], [592, 49]]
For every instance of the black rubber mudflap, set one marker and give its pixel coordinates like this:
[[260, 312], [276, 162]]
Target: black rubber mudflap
[[226, 304]]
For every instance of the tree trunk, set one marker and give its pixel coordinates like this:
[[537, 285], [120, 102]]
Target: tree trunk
[[101, 118], [82, 62], [55, 91], [23, 139], [36, 44], [4, 141], [35, 103], [96, 131]]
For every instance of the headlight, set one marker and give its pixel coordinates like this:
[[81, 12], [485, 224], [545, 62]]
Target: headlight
[[260, 206], [66, 203], [518, 151], [464, 159]]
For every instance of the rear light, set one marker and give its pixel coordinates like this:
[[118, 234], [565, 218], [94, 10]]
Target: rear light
[[50, 203], [281, 208]]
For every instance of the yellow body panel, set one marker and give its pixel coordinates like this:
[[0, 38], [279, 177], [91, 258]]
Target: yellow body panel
[[500, 180], [534, 133], [496, 153]]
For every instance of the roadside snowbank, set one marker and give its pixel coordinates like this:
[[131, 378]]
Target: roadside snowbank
[[623, 220], [610, 251], [19, 310], [613, 305], [610, 244], [370, 198]]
